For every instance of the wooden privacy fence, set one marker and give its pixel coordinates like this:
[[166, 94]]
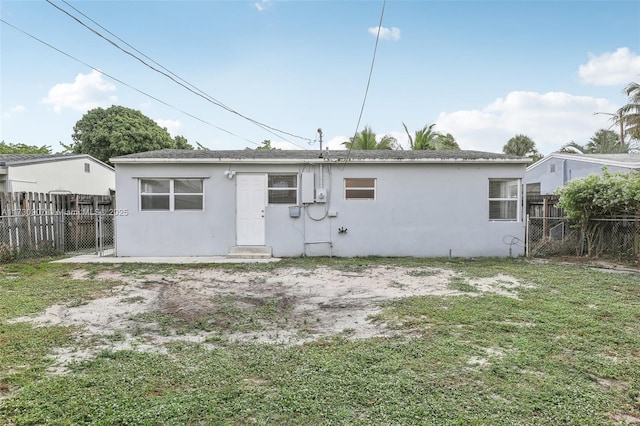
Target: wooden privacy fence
[[35, 225], [25, 203]]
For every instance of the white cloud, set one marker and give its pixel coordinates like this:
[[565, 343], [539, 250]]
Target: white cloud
[[262, 5], [335, 143], [88, 91], [172, 126], [392, 33], [610, 69], [550, 119], [13, 111]]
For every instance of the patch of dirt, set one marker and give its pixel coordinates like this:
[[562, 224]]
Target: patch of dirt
[[602, 265], [210, 305]]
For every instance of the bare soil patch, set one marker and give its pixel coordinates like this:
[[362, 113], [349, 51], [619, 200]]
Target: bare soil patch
[[211, 305]]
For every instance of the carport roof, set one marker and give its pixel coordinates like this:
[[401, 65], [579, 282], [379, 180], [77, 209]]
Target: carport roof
[[314, 156]]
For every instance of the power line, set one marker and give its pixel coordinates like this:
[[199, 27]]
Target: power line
[[125, 84], [173, 77], [366, 92]]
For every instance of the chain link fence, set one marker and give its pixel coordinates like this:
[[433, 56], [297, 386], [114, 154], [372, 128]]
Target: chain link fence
[[617, 238], [40, 235]]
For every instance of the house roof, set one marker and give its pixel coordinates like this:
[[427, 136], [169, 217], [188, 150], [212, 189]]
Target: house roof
[[24, 159], [313, 156], [631, 160]]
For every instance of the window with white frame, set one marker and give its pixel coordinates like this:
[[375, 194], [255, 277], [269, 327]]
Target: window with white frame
[[360, 188], [504, 199], [283, 188], [171, 194]]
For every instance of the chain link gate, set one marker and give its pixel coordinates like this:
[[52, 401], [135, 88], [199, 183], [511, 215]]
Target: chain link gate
[[40, 235]]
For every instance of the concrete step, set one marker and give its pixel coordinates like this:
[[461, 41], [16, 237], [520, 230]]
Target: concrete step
[[250, 252]]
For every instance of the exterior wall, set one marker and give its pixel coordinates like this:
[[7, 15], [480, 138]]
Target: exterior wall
[[565, 170], [426, 210], [62, 176]]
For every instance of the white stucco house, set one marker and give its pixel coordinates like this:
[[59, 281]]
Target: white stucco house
[[338, 203], [55, 173], [555, 170]]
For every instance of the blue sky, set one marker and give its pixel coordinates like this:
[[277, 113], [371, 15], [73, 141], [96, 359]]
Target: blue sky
[[483, 71]]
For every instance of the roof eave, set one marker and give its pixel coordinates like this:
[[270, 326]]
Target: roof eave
[[316, 160], [591, 160], [55, 159]]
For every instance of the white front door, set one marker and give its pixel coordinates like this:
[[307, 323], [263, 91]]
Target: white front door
[[251, 200]]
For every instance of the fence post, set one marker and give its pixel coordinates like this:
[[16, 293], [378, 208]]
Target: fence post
[[526, 236], [96, 226], [57, 232], [63, 231], [101, 228], [636, 240]]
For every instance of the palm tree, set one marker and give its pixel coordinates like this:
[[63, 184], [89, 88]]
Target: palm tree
[[423, 139], [630, 113], [602, 142], [573, 148], [522, 146], [366, 140], [428, 139]]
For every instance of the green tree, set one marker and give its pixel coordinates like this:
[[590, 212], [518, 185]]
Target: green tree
[[630, 113], [602, 142], [423, 139], [117, 130], [446, 143], [600, 196], [367, 140], [428, 139], [522, 146], [266, 145], [182, 143], [20, 148]]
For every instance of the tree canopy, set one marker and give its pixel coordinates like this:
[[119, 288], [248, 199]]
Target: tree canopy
[[117, 130], [600, 196], [630, 113], [428, 139], [367, 140], [20, 148], [602, 142], [266, 146], [522, 146], [446, 142]]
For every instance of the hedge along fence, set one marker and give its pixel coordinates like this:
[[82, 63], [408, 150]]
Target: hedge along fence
[[599, 197], [613, 238], [35, 225]]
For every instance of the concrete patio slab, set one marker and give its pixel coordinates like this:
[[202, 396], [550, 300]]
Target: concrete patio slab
[[179, 260]]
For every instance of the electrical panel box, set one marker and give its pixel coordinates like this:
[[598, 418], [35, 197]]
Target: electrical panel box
[[321, 195], [308, 185]]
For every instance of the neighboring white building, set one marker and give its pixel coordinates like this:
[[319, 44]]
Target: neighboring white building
[[340, 203], [55, 173], [555, 170]]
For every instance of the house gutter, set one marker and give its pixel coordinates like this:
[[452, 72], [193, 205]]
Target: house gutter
[[314, 161]]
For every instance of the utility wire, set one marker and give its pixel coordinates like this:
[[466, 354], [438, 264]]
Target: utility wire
[[125, 84], [366, 92], [173, 77]]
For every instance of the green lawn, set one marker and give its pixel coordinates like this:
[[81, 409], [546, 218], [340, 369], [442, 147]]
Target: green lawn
[[566, 352]]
